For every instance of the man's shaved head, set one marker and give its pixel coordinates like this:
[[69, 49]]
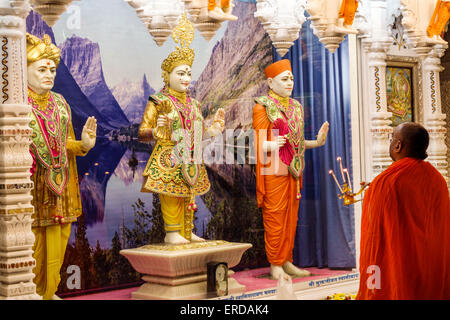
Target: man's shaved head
[[410, 139]]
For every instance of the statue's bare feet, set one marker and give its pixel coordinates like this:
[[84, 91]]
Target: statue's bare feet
[[277, 272], [218, 14], [292, 270], [196, 238], [175, 238], [55, 297]]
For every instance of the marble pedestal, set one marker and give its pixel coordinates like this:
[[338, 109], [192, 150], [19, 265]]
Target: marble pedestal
[[178, 272]]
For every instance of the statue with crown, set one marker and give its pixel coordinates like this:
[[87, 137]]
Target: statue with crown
[[56, 196], [174, 120], [177, 268]]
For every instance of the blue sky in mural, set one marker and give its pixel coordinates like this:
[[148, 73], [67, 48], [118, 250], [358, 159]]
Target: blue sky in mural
[[122, 37]]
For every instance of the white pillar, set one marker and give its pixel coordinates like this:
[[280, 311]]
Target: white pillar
[[434, 119], [375, 44], [16, 237]]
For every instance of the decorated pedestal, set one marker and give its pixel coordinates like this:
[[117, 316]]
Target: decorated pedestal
[[178, 272]]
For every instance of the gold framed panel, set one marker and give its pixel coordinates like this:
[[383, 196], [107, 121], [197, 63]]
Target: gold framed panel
[[404, 89]]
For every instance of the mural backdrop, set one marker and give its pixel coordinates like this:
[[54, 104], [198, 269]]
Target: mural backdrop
[[109, 67]]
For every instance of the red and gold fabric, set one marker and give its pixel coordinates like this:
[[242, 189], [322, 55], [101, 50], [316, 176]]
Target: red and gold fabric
[[54, 171], [278, 187], [56, 196]]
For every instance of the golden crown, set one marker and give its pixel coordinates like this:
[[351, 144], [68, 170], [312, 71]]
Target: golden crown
[[183, 35], [38, 49]]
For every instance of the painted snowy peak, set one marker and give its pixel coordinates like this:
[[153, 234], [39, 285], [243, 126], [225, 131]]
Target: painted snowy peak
[[132, 97], [83, 59], [82, 107]]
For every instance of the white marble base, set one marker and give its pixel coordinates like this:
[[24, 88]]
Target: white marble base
[[178, 272]]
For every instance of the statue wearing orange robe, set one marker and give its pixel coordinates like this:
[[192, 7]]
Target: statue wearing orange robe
[[405, 233], [439, 19], [279, 170], [220, 10], [348, 10], [277, 195], [223, 4]]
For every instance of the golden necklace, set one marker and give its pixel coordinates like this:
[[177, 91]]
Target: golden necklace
[[284, 101], [40, 99], [181, 96]]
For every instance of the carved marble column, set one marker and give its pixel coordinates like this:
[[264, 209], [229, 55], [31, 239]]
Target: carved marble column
[[379, 117], [434, 119], [16, 237], [417, 15], [371, 21]]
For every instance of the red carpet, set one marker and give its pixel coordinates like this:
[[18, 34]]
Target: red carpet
[[253, 279]]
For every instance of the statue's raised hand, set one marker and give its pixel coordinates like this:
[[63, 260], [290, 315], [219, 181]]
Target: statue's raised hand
[[219, 119], [323, 132], [89, 134]]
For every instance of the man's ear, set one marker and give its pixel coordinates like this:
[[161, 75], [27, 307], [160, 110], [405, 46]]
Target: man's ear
[[398, 146], [270, 82]]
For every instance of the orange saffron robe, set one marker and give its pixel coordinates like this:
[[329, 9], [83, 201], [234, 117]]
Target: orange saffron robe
[[405, 232], [348, 10], [277, 196], [439, 19], [223, 4]]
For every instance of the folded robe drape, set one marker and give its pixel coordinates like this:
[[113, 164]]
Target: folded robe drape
[[276, 195], [405, 234]]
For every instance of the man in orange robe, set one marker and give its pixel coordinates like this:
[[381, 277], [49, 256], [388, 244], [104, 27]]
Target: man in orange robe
[[405, 227], [278, 178]]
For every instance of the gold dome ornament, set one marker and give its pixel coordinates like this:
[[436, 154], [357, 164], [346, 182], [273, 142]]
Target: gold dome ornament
[[50, 10]]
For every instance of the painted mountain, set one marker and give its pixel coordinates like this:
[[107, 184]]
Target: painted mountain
[[102, 105], [234, 74], [82, 58], [232, 81], [95, 170], [66, 85], [133, 97]]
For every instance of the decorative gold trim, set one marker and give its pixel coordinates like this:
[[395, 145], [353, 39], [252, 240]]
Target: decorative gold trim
[[192, 245], [433, 92], [377, 88], [16, 211], [5, 69], [40, 99]]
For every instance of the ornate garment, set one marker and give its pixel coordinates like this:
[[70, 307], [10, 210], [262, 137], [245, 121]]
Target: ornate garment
[[289, 111], [278, 193], [175, 168], [56, 196], [54, 172]]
